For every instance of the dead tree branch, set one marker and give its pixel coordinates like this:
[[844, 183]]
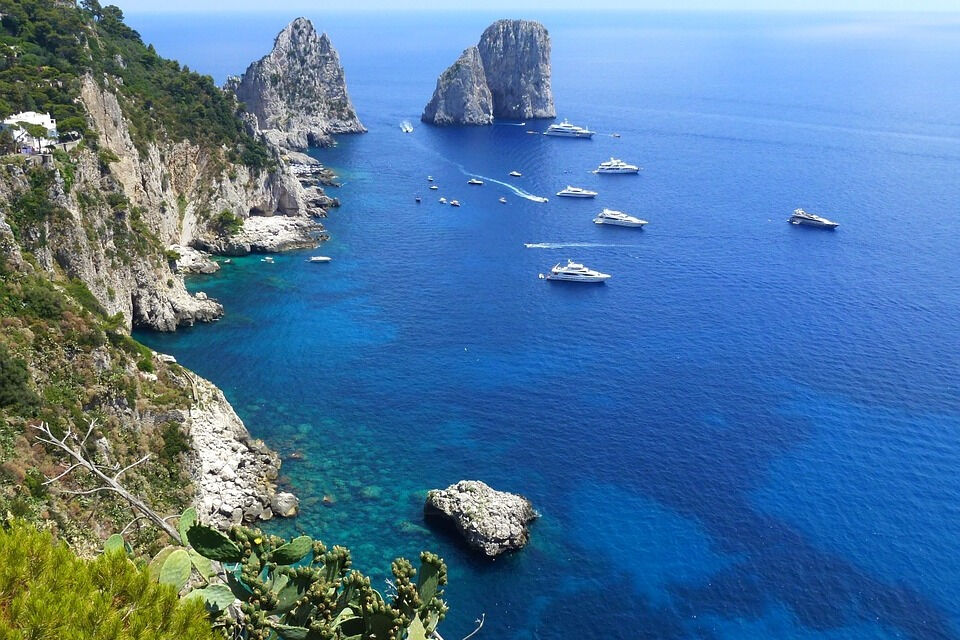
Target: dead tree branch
[[74, 448]]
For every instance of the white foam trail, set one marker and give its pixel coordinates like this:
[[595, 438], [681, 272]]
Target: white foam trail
[[515, 189], [566, 245], [510, 124]]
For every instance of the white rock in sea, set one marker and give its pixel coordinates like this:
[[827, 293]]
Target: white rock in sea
[[298, 92], [506, 75], [491, 521], [285, 504]]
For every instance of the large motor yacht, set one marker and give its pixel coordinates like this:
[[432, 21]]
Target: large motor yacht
[[615, 165], [574, 272], [802, 217], [619, 218], [576, 192], [567, 130]]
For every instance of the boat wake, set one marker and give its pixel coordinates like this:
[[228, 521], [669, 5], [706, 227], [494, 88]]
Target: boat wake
[[510, 124], [515, 189], [566, 245]]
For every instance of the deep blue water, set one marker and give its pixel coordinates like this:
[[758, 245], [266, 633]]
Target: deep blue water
[[752, 431]]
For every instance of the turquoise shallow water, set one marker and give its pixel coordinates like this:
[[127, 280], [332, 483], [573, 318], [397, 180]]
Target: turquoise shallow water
[[749, 432]]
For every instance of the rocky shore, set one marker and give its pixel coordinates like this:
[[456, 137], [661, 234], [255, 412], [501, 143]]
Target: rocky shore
[[490, 521], [234, 474], [267, 234]]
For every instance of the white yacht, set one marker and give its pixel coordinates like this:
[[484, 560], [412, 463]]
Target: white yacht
[[406, 127], [268, 259], [515, 174], [802, 217], [442, 201], [429, 178], [474, 181], [615, 165], [576, 192], [319, 259], [567, 130], [619, 218], [503, 200], [434, 187], [574, 272], [454, 203]]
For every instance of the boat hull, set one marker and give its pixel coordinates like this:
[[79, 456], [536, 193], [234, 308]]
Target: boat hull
[[564, 134], [576, 195], [814, 223], [621, 223], [560, 277], [617, 171]]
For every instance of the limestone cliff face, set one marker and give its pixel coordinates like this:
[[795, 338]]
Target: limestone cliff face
[[516, 59], [122, 209], [507, 75], [462, 95], [298, 92]]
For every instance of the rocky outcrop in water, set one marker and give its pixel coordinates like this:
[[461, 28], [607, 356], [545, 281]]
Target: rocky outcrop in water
[[462, 95], [506, 75], [298, 92], [491, 521]]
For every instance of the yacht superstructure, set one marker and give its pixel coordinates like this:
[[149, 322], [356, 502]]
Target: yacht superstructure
[[802, 217], [618, 218], [567, 130], [576, 192], [615, 165], [575, 272]]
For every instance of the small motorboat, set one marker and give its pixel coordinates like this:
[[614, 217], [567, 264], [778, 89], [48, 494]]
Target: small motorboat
[[319, 259], [503, 200], [616, 135], [429, 178], [434, 187], [515, 174], [268, 259], [443, 201], [474, 181], [417, 199], [228, 261], [533, 132], [454, 203]]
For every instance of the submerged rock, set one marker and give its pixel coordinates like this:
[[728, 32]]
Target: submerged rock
[[298, 92], [507, 75], [491, 521], [285, 505]]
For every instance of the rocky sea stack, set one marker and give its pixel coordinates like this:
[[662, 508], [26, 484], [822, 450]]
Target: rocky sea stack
[[506, 75], [298, 92], [491, 521]]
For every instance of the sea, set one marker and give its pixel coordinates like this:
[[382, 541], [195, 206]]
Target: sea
[[752, 430]]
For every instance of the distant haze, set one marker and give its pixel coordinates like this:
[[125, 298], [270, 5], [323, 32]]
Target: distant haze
[[552, 5]]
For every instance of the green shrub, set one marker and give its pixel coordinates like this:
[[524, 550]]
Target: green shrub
[[15, 388], [227, 223], [41, 299], [48, 593], [78, 291], [175, 442]]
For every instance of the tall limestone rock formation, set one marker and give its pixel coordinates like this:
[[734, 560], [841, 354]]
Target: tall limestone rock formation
[[512, 79], [298, 92], [465, 97]]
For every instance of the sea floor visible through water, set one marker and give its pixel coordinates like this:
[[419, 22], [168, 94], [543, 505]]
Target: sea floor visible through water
[[751, 431]]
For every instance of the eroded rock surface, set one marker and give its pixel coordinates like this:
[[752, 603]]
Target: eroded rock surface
[[491, 521]]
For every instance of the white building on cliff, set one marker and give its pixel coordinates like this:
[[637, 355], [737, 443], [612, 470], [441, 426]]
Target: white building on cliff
[[18, 123]]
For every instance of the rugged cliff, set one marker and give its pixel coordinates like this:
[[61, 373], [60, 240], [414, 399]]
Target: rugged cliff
[[507, 75], [160, 158], [298, 92], [462, 95]]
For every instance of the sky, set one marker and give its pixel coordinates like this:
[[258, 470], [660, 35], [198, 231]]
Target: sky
[[212, 6]]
